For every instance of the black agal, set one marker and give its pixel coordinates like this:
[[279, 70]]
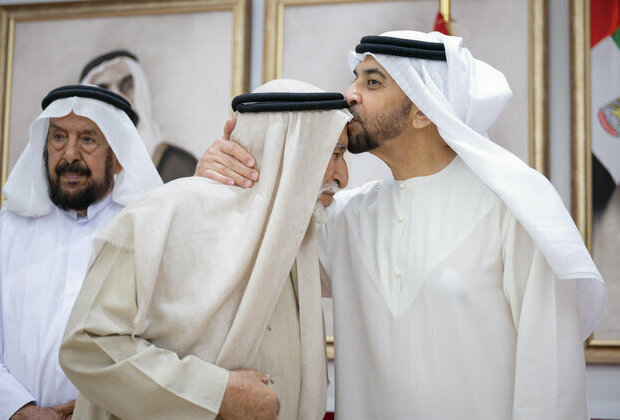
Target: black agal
[[93, 92], [288, 101], [402, 47]]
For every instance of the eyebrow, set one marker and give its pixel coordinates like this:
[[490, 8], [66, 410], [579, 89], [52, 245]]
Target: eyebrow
[[374, 70], [52, 125]]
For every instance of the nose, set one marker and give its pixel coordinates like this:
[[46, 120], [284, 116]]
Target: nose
[[72, 150], [352, 96], [341, 173]]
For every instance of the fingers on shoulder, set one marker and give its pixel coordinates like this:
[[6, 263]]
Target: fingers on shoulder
[[236, 151]]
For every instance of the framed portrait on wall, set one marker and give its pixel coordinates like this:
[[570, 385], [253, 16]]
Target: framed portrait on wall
[[178, 62], [310, 39], [595, 66]]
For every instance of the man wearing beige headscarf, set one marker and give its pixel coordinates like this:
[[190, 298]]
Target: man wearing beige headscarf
[[168, 315]]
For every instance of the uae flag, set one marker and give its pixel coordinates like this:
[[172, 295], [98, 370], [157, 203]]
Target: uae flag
[[605, 85]]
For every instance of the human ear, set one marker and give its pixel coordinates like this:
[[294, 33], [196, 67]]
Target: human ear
[[419, 120], [117, 166]]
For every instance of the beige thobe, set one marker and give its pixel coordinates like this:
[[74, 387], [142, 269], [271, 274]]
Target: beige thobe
[[129, 377]]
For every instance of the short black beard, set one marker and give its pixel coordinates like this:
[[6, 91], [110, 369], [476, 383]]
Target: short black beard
[[385, 127], [93, 192]]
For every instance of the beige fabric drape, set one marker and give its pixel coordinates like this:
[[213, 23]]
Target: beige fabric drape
[[211, 260], [113, 356]]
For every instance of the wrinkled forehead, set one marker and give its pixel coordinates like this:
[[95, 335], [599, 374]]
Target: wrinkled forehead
[[73, 123]]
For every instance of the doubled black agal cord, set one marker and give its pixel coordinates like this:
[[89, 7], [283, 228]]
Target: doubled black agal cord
[[106, 57], [288, 101], [402, 47], [92, 92]]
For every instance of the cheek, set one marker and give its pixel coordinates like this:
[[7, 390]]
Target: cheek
[[376, 106], [343, 169], [53, 159], [96, 164], [329, 173]]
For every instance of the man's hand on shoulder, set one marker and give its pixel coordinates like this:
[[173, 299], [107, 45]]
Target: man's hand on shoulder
[[227, 162], [248, 397], [56, 412]]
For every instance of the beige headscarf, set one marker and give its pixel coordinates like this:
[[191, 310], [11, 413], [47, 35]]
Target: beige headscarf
[[211, 260]]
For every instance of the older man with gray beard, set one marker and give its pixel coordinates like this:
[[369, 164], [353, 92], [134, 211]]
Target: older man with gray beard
[[200, 281]]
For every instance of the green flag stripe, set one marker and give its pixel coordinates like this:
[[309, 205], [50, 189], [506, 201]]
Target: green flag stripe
[[616, 37]]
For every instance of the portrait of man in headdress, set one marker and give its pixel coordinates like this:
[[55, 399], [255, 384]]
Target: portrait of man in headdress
[[120, 71]]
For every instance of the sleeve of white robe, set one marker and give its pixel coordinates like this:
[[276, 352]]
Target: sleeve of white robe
[[125, 374], [550, 366], [13, 395]]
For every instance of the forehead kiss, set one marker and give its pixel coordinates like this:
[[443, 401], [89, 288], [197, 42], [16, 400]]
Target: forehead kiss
[[379, 107]]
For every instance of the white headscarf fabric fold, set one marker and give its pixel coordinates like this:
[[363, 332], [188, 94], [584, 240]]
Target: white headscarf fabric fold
[[463, 97], [26, 189]]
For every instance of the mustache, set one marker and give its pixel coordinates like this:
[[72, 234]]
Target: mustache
[[74, 167], [356, 115], [330, 187]]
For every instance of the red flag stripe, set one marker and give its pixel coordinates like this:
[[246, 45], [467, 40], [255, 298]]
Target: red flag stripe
[[440, 24], [604, 19]]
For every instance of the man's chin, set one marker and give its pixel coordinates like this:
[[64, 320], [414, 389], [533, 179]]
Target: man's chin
[[357, 147], [72, 192], [72, 197]]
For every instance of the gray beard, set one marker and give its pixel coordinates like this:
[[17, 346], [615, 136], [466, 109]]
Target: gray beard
[[92, 193], [319, 214]]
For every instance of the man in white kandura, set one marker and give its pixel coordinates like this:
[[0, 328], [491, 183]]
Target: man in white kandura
[[199, 282], [462, 288], [85, 160]]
